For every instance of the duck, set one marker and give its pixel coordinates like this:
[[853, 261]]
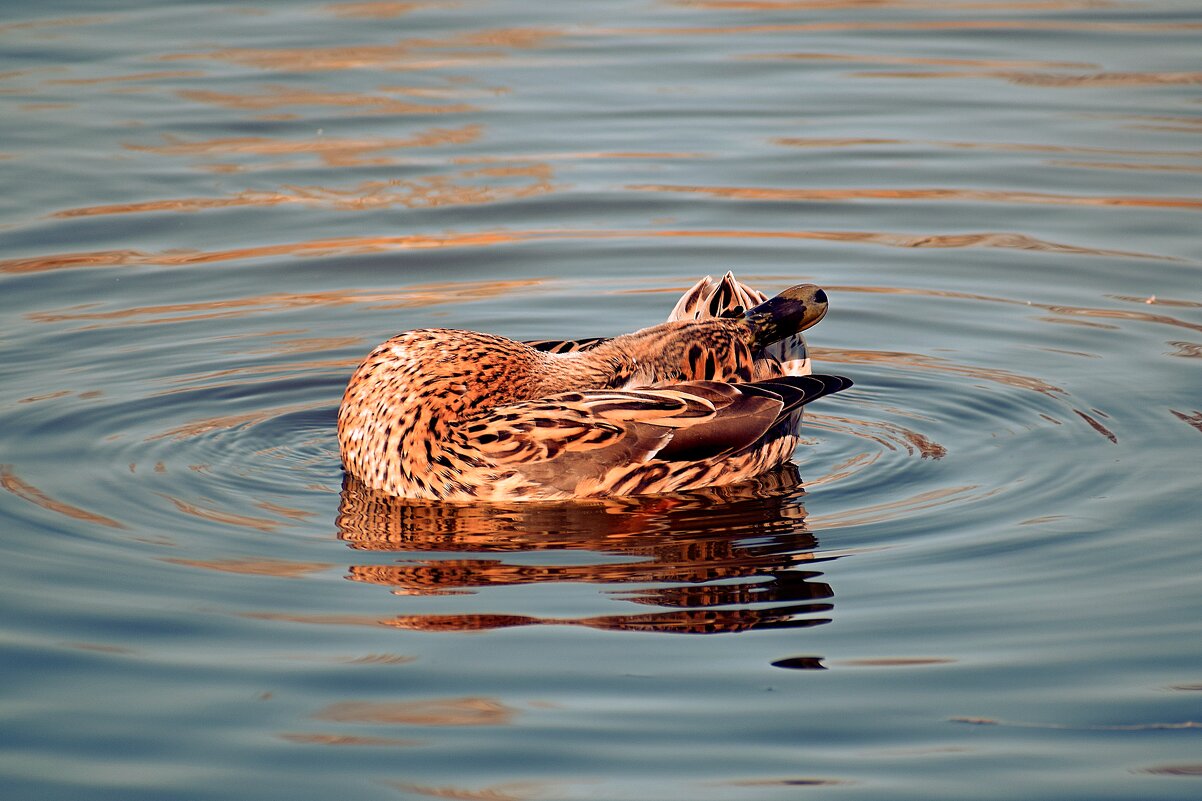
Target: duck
[[710, 398]]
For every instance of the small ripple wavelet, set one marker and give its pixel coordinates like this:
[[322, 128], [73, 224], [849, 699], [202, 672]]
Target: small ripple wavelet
[[895, 446]]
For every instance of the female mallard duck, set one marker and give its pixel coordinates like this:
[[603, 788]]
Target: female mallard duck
[[711, 397]]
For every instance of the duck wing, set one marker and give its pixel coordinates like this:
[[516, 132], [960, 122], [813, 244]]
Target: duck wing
[[565, 345], [574, 437]]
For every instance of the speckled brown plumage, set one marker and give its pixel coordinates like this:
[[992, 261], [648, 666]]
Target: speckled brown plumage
[[711, 397]]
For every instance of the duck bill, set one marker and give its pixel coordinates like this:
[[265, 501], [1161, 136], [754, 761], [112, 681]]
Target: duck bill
[[814, 312]]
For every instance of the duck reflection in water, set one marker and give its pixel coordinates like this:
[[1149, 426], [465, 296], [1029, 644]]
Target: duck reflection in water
[[723, 559]]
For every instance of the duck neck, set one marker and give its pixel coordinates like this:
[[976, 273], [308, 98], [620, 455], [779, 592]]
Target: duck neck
[[710, 349], [606, 366]]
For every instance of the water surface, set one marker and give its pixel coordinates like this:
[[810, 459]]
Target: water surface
[[980, 581]]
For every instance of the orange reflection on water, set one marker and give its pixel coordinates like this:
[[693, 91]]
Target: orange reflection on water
[[1078, 323], [468, 711], [316, 59], [814, 142], [301, 345], [1111, 165], [1056, 80], [419, 295], [929, 61], [58, 22], [45, 106], [198, 428], [887, 435], [794, 141], [372, 521], [1161, 122], [223, 517], [23, 489], [848, 467], [711, 621], [284, 511], [181, 205], [314, 738], [1157, 300], [381, 244], [283, 96], [516, 38], [510, 791], [256, 373], [1120, 314], [892, 510], [333, 152], [131, 78], [723, 560], [654, 155], [406, 54], [463, 188], [382, 9], [278, 568], [935, 194], [1083, 26]]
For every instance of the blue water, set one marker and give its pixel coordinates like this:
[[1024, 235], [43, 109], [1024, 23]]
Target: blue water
[[981, 581]]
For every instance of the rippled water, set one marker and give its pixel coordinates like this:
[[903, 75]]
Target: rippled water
[[982, 580]]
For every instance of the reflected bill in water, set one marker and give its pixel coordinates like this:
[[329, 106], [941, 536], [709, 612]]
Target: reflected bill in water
[[722, 560]]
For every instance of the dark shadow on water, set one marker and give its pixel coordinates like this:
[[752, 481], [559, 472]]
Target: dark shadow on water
[[724, 560]]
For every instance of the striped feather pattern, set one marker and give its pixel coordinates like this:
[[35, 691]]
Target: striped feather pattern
[[701, 400]]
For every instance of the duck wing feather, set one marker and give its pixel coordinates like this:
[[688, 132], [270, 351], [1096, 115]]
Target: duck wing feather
[[566, 345], [565, 439]]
